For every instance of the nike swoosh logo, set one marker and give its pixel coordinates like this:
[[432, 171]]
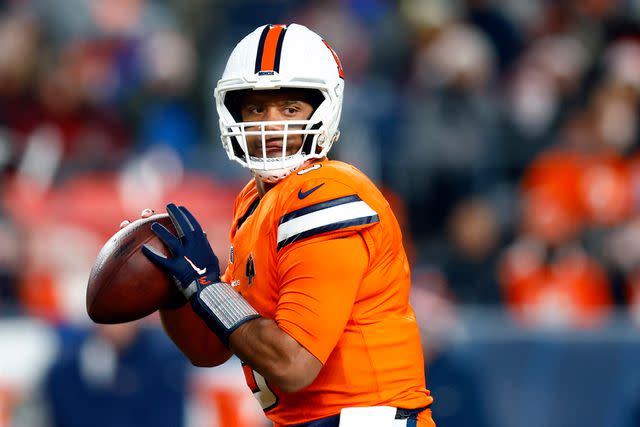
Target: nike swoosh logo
[[198, 270], [304, 194]]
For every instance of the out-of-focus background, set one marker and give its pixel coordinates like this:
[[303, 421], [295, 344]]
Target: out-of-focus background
[[505, 134]]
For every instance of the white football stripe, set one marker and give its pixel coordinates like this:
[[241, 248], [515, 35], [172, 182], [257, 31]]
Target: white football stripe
[[324, 217]]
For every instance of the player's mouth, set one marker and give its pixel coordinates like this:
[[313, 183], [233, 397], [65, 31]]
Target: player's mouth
[[273, 146]]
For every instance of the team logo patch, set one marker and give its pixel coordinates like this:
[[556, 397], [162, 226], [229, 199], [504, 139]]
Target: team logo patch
[[250, 269]]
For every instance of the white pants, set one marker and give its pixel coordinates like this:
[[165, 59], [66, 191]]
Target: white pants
[[370, 416]]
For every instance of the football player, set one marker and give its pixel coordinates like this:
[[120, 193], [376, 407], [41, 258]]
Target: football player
[[314, 298]]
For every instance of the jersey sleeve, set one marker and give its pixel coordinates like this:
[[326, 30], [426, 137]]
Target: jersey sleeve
[[319, 281], [322, 207]]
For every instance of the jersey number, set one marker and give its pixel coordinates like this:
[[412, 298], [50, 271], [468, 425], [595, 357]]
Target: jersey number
[[261, 390]]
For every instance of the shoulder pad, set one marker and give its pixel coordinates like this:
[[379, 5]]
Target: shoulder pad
[[321, 203]]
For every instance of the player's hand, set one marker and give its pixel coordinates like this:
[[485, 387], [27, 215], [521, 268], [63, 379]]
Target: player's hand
[[193, 264], [195, 270], [146, 213]]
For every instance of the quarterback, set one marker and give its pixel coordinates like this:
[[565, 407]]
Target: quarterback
[[314, 297]]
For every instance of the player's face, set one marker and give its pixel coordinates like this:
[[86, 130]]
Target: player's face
[[274, 105]]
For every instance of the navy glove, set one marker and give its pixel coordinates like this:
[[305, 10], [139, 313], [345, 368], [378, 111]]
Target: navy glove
[[193, 261], [196, 271]]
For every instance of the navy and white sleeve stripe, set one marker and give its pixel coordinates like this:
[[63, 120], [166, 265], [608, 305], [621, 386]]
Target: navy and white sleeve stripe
[[322, 217]]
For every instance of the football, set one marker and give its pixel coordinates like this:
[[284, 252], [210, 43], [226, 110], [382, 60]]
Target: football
[[124, 285]]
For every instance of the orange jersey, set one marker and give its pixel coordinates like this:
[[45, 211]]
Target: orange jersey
[[321, 253]]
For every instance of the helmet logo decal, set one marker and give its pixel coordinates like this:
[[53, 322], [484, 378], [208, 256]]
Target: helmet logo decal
[[335, 56], [270, 48]]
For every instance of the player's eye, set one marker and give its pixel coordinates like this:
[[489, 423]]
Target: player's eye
[[254, 109]]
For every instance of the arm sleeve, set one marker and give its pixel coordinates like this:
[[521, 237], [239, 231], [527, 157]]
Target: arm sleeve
[[319, 282]]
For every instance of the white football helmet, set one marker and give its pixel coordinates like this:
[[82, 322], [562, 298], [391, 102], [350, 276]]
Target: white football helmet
[[274, 57]]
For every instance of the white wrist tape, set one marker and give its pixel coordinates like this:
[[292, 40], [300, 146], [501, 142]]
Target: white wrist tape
[[226, 304]]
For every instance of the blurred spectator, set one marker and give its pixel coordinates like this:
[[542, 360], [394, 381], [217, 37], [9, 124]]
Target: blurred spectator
[[553, 206], [469, 262], [449, 147], [12, 254], [547, 277], [20, 48], [573, 194], [621, 60], [89, 135], [166, 118], [28, 347], [119, 375], [543, 84], [503, 34], [453, 380], [562, 288], [100, 201], [69, 20]]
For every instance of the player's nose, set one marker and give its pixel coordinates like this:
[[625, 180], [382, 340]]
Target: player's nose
[[273, 114]]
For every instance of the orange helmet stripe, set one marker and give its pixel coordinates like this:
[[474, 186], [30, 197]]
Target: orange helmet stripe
[[269, 48]]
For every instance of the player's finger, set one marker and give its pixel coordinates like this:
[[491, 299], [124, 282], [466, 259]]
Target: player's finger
[[189, 226], [154, 255], [195, 225], [178, 219], [167, 237], [124, 223], [146, 213]]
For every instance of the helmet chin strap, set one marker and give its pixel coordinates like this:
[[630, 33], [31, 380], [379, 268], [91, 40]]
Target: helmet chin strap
[[272, 177], [264, 183], [269, 179]]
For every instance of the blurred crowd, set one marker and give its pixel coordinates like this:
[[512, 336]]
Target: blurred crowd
[[506, 135]]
